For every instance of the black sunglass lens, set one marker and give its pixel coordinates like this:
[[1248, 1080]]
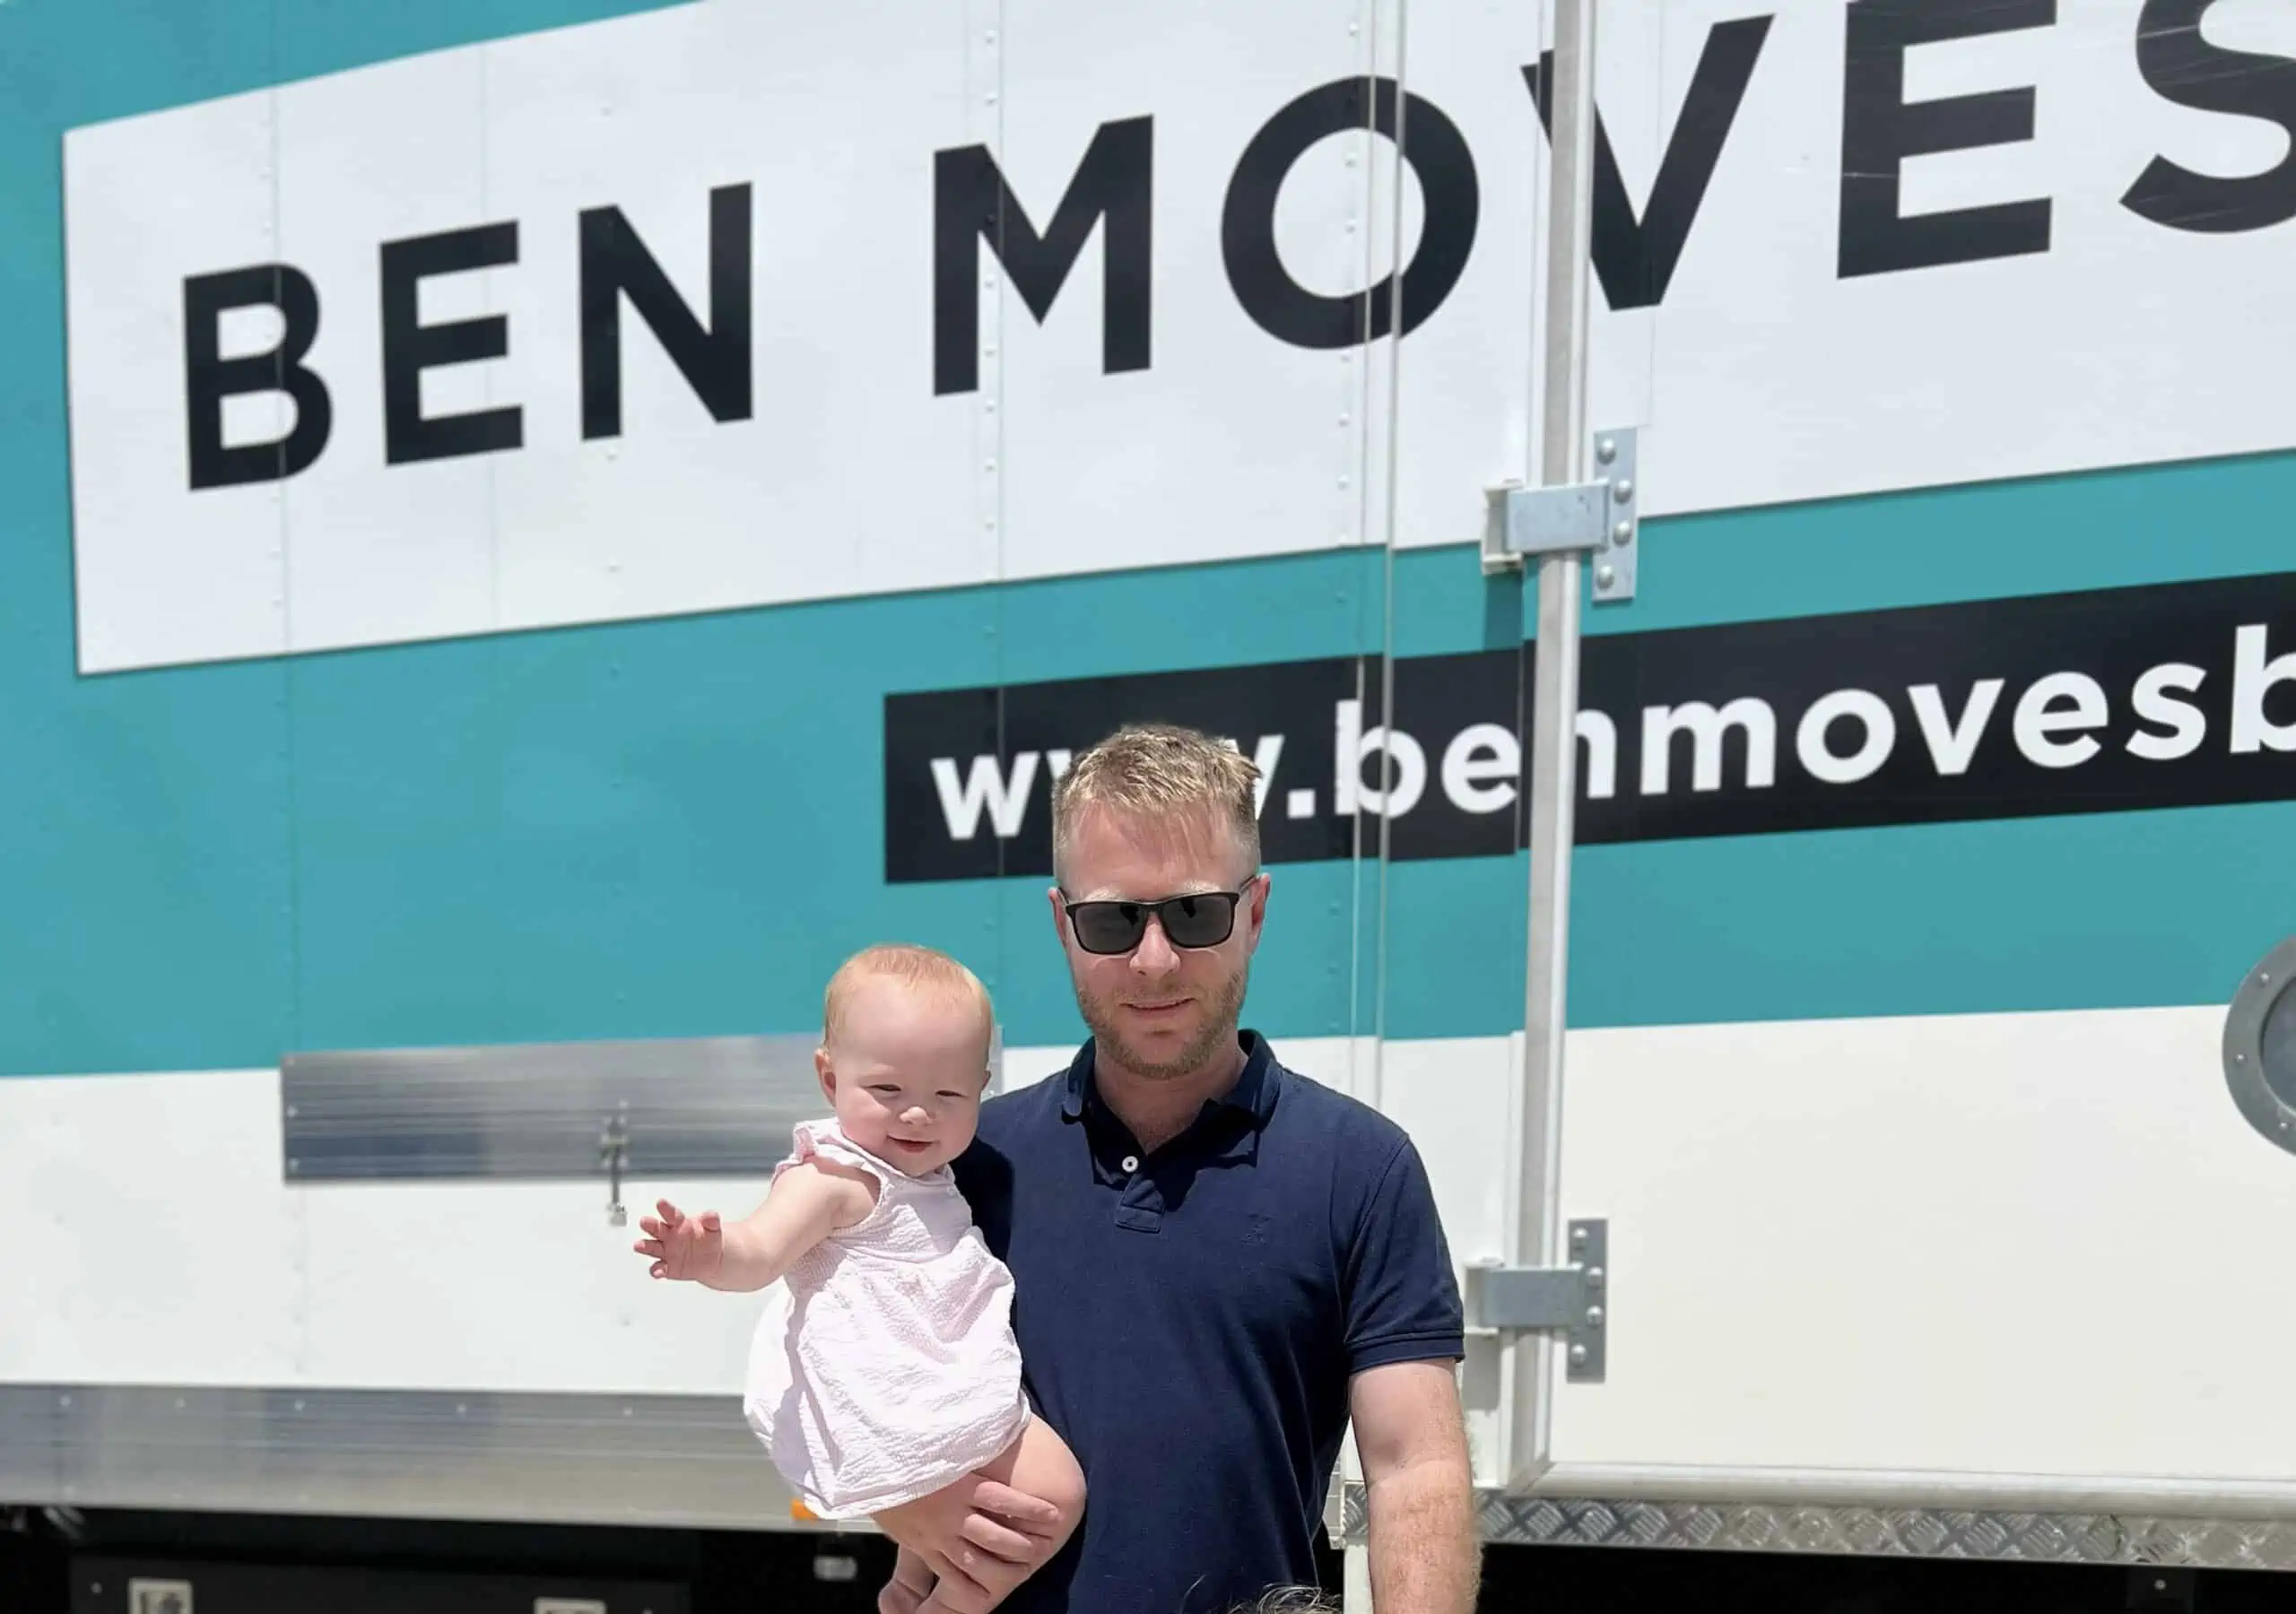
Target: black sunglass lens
[[1108, 927], [1197, 920]]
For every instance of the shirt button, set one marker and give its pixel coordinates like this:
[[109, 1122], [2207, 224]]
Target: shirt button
[[1131, 1162]]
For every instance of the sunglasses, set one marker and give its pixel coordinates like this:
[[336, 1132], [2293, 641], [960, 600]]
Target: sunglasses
[[1199, 919]]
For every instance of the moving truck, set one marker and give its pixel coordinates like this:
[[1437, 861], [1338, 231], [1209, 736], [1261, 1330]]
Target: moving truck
[[1750, 540]]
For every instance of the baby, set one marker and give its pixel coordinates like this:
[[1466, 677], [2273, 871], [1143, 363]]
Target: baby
[[884, 1368]]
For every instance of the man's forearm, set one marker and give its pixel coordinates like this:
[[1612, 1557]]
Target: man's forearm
[[1425, 1556]]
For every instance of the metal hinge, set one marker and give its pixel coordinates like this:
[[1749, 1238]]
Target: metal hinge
[[614, 1154], [1570, 1300], [1601, 519]]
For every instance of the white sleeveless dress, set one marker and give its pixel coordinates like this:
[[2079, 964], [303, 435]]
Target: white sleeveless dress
[[884, 1365]]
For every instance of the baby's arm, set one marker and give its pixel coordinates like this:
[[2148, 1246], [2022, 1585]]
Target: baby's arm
[[806, 1203]]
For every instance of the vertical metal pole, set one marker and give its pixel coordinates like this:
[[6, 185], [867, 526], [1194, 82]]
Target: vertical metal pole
[[1355, 1556], [1552, 780]]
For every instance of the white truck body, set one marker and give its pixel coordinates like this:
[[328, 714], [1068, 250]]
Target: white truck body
[[531, 770]]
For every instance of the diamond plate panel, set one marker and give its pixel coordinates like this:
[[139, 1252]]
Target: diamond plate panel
[[2075, 1538]]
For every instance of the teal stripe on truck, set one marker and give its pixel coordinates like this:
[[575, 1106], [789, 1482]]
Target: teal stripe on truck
[[674, 827]]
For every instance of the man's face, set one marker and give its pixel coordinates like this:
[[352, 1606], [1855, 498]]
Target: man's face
[[1159, 1008]]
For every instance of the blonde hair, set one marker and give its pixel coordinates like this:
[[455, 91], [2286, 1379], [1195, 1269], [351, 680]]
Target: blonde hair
[[923, 968], [1149, 769]]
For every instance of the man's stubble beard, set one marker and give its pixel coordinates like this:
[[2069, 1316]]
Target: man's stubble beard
[[1221, 1027]]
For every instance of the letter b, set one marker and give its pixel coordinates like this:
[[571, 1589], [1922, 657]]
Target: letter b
[[209, 377], [2253, 679], [1403, 769]]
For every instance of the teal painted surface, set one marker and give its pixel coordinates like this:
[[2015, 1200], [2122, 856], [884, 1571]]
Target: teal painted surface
[[674, 828], [2110, 912], [147, 921], [2049, 536], [146, 886]]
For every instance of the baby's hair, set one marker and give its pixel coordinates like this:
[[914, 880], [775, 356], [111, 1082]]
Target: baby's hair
[[1288, 1599], [921, 968]]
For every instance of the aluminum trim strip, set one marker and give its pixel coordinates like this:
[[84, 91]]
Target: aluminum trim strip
[[663, 1460], [692, 1463], [689, 1107]]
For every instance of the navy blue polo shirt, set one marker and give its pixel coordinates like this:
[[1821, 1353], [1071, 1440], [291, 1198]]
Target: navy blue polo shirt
[[1188, 1320]]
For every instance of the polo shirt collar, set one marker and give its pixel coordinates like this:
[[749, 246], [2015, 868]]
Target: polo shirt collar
[[1254, 1092]]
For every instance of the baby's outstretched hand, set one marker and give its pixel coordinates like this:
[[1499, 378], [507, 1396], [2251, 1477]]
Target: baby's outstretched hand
[[683, 1246]]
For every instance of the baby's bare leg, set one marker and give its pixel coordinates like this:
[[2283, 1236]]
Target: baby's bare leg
[[912, 1583], [1039, 1465]]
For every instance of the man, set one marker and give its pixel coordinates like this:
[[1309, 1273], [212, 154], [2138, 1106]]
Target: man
[[1218, 1262]]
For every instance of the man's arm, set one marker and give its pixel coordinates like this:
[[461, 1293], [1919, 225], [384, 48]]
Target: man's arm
[[1411, 1433], [1405, 1330], [987, 1535]]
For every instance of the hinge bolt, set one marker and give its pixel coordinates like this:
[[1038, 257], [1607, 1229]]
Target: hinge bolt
[[1605, 576], [1605, 450], [1594, 1317], [1577, 1356], [1622, 490], [1623, 533]]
